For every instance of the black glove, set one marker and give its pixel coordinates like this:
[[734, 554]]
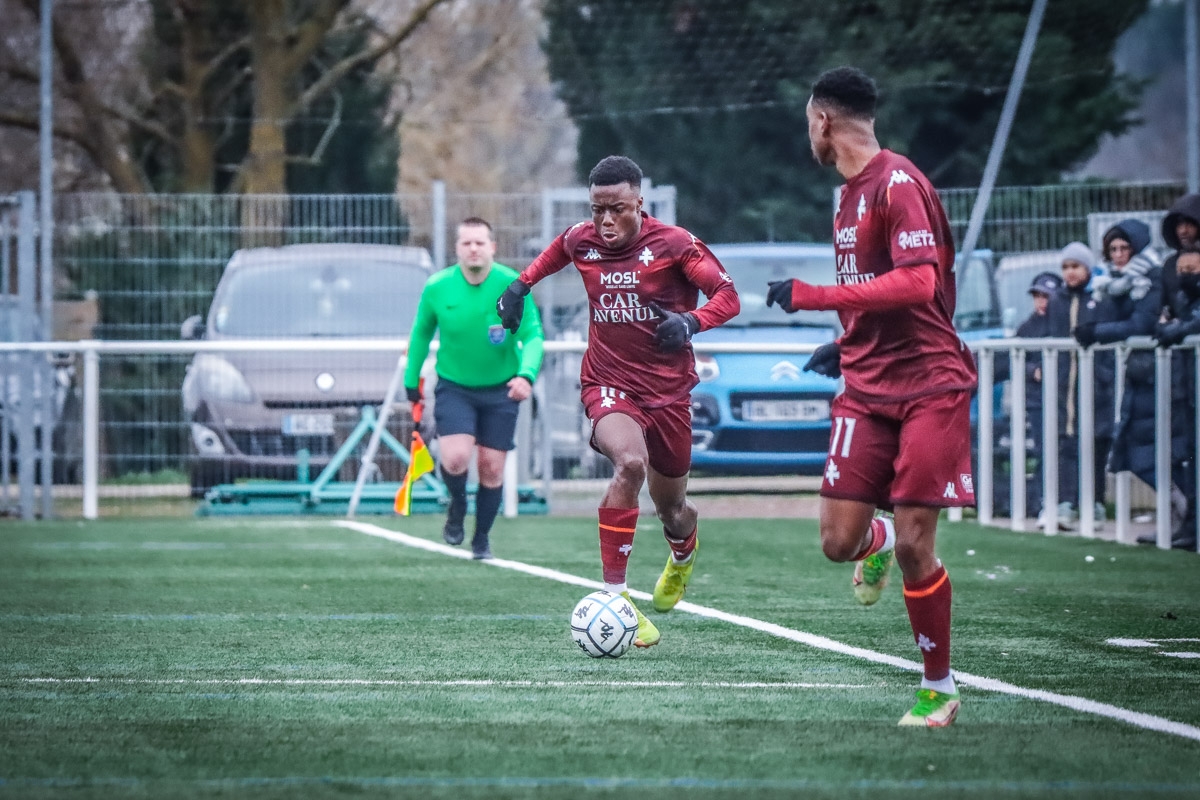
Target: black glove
[[780, 293], [675, 330], [511, 305], [826, 360], [414, 394], [1085, 333], [1169, 333]]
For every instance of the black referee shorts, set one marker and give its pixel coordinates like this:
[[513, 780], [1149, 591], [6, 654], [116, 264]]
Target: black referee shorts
[[485, 412]]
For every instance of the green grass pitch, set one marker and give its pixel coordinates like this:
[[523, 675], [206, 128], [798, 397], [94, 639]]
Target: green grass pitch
[[302, 658]]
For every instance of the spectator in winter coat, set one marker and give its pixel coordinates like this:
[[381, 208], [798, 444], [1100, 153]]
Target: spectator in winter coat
[[1036, 326], [1071, 312], [1180, 229], [1129, 305], [1183, 320]]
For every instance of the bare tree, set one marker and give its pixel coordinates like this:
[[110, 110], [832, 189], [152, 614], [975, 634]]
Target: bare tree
[[101, 115]]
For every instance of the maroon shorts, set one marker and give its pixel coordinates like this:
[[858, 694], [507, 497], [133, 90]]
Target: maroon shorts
[[911, 453], [668, 430]]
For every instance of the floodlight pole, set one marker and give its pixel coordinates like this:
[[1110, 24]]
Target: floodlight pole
[[46, 234], [1192, 64], [1009, 111]]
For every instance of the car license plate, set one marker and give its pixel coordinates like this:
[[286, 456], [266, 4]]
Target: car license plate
[[308, 424], [785, 410]]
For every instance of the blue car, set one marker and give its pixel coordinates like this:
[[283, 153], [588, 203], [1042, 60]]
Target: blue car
[[760, 413]]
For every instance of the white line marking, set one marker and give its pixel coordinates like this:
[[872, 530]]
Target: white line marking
[[449, 683], [1181, 655], [1143, 642], [1081, 704]]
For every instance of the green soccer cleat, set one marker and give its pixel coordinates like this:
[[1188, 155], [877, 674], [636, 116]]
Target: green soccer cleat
[[933, 709], [870, 576], [673, 582], [647, 635]]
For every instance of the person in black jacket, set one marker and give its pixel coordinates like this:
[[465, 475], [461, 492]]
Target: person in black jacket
[[1128, 305], [1075, 311], [1036, 326], [1183, 320], [1180, 229]]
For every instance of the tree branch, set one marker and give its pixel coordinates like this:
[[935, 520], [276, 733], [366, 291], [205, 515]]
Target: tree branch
[[311, 32], [364, 57]]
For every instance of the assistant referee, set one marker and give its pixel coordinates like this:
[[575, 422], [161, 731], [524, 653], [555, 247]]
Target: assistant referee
[[484, 372]]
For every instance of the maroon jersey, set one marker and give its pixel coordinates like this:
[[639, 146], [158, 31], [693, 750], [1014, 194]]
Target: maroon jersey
[[663, 264], [889, 217]]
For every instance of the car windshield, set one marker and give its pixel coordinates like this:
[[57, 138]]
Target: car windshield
[[751, 273], [317, 298]]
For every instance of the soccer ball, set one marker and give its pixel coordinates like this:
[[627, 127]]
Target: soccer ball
[[604, 624]]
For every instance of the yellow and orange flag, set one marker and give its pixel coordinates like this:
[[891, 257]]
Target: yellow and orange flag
[[420, 462]]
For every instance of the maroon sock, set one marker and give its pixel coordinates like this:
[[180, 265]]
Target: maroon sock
[[878, 537], [681, 548], [928, 605], [617, 527]]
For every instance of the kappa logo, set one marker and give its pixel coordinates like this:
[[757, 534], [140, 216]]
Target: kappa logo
[[646, 257], [831, 472], [899, 176], [592, 254], [950, 492], [724, 276], [625, 549]]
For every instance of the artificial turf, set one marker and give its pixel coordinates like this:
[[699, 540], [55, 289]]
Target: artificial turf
[[294, 657]]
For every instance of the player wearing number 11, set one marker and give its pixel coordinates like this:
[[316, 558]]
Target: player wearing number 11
[[901, 435], [642, 280]]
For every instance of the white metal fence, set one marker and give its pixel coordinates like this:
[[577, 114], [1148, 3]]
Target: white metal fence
[[534, 445]]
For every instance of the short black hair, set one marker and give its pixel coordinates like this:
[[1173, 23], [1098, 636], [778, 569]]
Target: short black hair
[[477, 221], [613, 170], [849, 89]]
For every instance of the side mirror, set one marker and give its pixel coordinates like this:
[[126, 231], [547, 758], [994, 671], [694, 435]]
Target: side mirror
[[192, 327]]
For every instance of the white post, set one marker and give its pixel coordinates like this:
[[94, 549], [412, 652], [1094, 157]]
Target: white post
[[1016, 435], [983, 495], [510, 484], [91, 433]]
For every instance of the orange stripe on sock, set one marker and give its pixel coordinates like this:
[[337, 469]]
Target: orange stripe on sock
[[619, 530], [926, 592]]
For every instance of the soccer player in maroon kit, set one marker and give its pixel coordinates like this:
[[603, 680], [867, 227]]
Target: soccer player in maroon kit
[[900, 438], [642, 280]]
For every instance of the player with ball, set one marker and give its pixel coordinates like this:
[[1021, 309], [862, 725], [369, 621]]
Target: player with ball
[[643, 280]]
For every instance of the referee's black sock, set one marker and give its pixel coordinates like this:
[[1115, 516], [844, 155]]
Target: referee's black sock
[[487, 505], [456, 485]]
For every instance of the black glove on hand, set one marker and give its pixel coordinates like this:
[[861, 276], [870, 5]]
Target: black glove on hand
[[414, 395], [675, 330], [1169, 333], [780, 293], [511, 305], [1085, 333], [826, 360]]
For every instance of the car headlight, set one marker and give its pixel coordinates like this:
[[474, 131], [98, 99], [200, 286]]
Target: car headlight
[[216, 378], [706, 367]]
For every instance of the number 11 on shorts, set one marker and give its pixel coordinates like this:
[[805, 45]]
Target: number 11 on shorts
[[842, 425]]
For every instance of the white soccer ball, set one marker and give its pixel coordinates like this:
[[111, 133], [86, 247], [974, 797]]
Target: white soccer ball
[[604, 624]]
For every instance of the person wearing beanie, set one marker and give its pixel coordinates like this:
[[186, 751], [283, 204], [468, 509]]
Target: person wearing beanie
[[1075, 309], [1180, 229]]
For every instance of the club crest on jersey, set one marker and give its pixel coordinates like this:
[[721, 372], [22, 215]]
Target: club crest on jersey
[[496, 334], [646, 257], [862, 206]]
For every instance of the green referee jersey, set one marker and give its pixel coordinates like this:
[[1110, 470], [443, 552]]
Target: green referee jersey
[[475, 350]]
